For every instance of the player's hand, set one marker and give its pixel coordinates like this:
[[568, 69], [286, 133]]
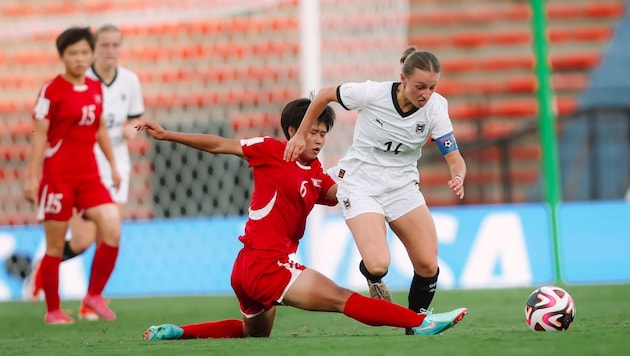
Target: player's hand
[[31, 187], [294, 147], [152, 128], [457, 185], [116, 178]]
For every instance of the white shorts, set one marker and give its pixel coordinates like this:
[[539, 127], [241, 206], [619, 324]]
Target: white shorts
[[120, 195], [392, 205]]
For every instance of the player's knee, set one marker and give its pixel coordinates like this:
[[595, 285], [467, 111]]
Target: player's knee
[[426, 268], [377, 266]]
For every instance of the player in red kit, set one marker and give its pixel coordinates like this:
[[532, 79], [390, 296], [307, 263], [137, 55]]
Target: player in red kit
[[67, 126], [264, 275]]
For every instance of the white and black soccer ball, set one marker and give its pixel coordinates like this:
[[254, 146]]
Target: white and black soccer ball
[[549, 308]]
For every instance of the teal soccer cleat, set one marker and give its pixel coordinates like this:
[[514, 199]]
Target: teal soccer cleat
[[163, 332], [436, 323]]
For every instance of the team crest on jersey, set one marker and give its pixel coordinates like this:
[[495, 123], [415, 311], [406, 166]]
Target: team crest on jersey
[[346, 203], [316, 182], [342, 172], [98, 99], [420, 128], [123, 97]]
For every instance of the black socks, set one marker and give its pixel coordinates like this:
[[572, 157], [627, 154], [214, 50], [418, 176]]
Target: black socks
[[422, 291]]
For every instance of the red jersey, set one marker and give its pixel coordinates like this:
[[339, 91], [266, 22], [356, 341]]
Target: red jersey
[[284, 194], [74, 112]]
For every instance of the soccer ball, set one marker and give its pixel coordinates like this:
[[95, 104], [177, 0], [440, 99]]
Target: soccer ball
[[549, 308]]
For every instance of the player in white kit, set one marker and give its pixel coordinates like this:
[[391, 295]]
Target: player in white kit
[[123, 106], [378, 176]]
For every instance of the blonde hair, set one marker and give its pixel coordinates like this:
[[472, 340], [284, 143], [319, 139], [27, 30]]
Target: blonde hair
[[106, 28], [413, 58]]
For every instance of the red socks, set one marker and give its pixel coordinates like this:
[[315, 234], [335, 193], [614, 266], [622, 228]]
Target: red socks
[[102, 267], [375, 312], [378, 312], [49, 272], [230, 328]]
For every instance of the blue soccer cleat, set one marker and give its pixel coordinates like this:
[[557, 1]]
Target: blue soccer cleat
[[436, 323], [163, 332]]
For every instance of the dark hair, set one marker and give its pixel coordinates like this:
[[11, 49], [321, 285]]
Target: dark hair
[[413, 58], [294, 111], [72, 36]]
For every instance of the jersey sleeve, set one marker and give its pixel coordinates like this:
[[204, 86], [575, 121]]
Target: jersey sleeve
[[43, 104], [260, 150], [441, 121], [327, 183], [353, 96], [136, 102]]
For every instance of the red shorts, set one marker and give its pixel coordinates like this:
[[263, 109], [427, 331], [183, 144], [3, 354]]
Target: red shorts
[[261, 278], [58, 197]]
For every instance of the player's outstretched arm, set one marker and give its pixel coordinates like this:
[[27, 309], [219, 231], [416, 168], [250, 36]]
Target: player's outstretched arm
[[203, 142]]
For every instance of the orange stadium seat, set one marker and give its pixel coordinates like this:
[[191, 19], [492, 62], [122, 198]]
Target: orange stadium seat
[[593, 33], [516, 12], [457, 65], [566, 106], [521, 84], [428, 42], [17, 128], [507, 62], [570, 81], [20, 10], [587, 60], [470, 39], [463, 111], [523, 108], [10, 174], [510, 37], [606, 9], [480, 15], [14, 152], [557, 35], [563, 10]]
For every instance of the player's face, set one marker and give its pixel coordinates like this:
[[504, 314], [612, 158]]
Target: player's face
[[315, 141], [419, 86], [107, 48], [77, 57]]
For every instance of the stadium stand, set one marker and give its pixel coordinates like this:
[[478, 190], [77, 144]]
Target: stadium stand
[[236, 63]]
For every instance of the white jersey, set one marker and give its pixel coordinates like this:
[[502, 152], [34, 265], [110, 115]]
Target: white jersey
[[387, 143], [122, 100]]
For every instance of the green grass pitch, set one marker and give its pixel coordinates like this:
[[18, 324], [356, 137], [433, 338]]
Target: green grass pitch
[[495, 326]]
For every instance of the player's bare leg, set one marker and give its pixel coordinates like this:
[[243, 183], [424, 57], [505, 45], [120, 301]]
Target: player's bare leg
[[314, 291], [370, 235]]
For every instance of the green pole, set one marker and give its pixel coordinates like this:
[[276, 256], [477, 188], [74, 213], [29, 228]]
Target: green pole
[[547, 127]]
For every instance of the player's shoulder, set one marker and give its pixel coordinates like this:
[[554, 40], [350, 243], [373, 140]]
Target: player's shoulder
[[53, 85], [266, 142], [438, 100], [372, 84], [127, 73], [93, 83]]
